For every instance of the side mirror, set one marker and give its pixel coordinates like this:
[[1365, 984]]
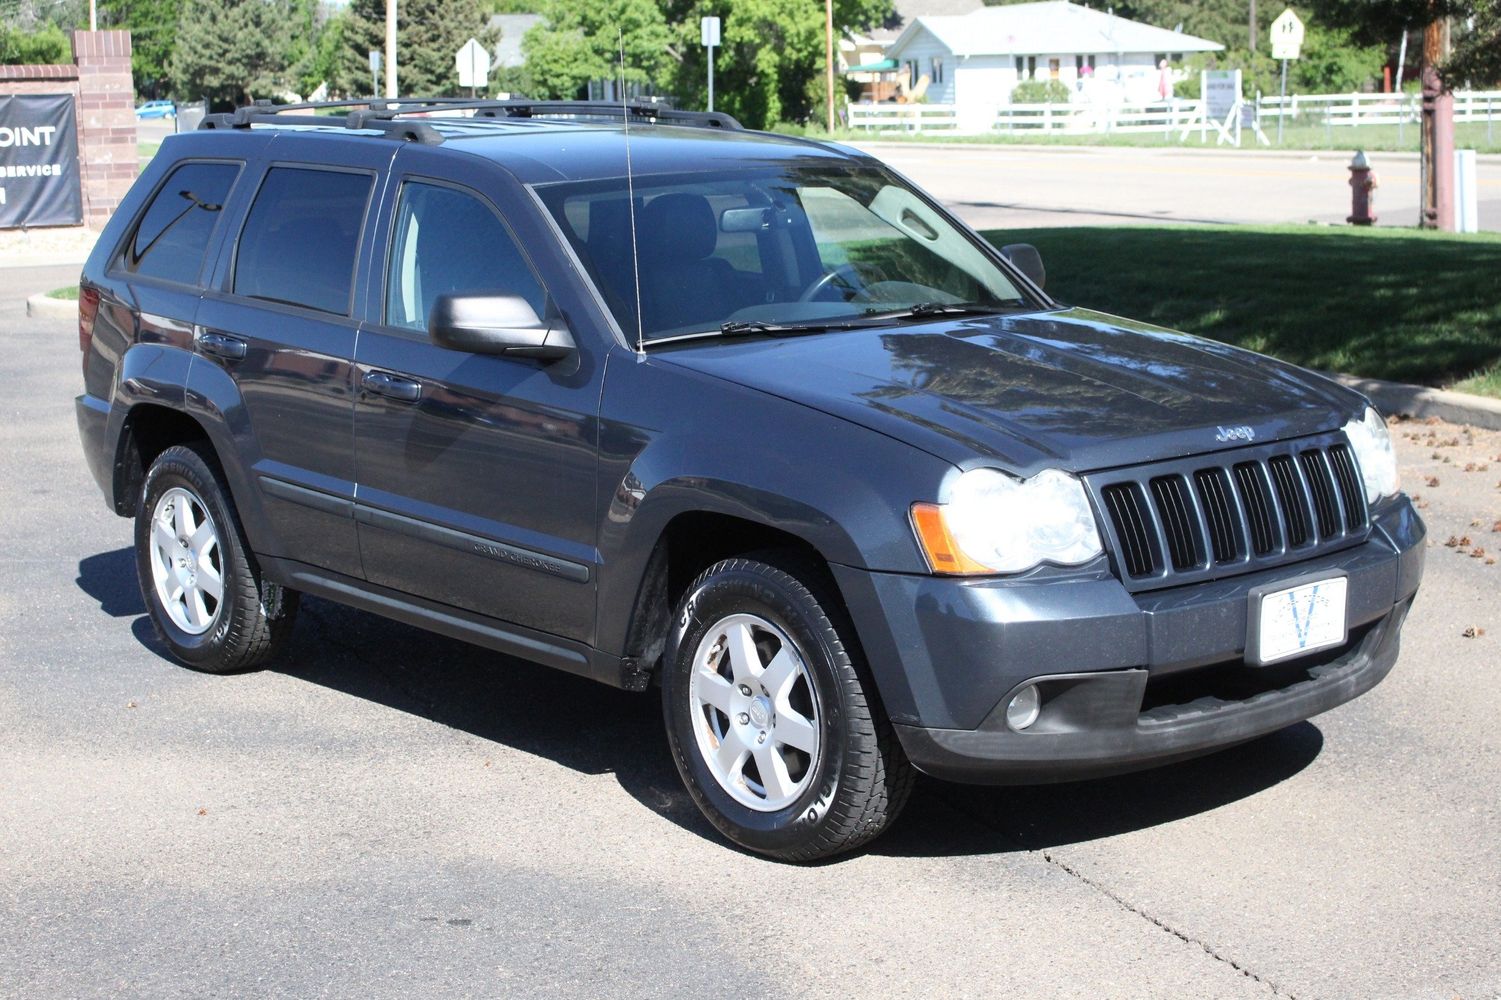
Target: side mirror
[[1028, 261], [497, 324]]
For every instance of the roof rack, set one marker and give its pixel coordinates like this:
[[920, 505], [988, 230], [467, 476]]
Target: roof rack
[[384, 114]]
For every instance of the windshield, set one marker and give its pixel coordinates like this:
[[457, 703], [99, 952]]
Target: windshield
[[805, 248]]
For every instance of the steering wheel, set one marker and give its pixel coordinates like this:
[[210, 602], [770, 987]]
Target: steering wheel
[[823, 281]]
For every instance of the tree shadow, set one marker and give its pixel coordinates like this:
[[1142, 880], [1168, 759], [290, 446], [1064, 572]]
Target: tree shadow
[[594, 729]]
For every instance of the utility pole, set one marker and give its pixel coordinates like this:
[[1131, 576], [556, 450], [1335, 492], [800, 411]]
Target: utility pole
[[390, 48], [93, 15], [1438, 131], [828, 42], [1252, 20]]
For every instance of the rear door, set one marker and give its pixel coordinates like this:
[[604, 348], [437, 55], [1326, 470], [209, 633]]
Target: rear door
[[280, 320], [151, 289], [476, 473]]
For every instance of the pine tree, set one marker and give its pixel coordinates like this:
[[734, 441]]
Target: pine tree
[[428, 35], [230, 51]]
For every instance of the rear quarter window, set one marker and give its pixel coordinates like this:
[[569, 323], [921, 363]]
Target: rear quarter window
[[173, 234], [299, 241]]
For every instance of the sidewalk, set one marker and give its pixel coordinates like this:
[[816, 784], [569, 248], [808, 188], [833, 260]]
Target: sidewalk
[[1187, 149], [41, 247]]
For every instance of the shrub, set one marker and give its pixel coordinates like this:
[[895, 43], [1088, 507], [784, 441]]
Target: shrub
[[1041, 92]]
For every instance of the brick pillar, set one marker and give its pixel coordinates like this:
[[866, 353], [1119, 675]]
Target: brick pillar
[[106, 121]]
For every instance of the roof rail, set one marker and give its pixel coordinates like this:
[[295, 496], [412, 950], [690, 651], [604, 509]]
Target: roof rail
[[383, 114]]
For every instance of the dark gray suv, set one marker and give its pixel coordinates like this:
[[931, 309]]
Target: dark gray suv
[[663, 402]]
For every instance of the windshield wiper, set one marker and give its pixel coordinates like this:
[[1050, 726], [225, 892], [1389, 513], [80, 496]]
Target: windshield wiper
[[736, 328], [922, 310]]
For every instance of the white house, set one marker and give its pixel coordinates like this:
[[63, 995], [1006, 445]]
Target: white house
[[975, 60]]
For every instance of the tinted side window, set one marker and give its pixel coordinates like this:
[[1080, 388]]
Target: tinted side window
[[447, 241], [299, 241], [174, 232]]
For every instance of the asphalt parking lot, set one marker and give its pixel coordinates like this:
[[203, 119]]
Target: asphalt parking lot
[[392, 814]]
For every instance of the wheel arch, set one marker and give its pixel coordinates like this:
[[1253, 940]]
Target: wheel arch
[[685, 543], [148, 429]]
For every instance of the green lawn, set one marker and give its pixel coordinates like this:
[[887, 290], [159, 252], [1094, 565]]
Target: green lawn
[[69, 292], [1387, 303]]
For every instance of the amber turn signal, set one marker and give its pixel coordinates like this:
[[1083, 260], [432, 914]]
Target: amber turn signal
[[938, 545]]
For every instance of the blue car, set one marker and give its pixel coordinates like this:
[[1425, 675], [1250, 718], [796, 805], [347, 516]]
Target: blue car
[[157, 109]]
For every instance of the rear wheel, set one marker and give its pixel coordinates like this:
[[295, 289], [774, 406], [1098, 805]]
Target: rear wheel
[[205, 596], [773, 726]]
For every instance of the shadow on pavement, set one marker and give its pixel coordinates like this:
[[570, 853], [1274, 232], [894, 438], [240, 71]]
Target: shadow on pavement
[[110, 579], [1043, 816], [595, 729]]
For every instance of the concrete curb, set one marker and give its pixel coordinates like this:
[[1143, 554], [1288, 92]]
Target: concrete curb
[[41, 307], [1421, 401]]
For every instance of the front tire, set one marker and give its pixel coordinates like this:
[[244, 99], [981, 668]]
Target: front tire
[[773, 725], [205, 595]]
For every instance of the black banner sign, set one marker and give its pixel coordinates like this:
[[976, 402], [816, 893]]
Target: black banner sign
[[39, 182]]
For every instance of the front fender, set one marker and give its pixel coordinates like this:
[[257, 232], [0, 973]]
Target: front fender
[[675, 442]]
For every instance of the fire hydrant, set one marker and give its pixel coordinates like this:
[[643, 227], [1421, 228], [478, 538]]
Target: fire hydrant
[[1363, 183]]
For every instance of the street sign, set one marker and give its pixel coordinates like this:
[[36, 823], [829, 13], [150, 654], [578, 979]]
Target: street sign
[[473, 64], [708, 30], [1287, 35]]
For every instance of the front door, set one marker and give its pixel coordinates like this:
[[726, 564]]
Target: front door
[[476, 473]]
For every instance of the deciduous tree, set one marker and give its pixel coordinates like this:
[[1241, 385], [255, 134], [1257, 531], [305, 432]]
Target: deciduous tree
[[581, 40], [153, 26], [772, 57]]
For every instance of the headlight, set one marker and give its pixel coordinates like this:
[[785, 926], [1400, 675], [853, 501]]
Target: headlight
[[1373, 452], [993, 523]]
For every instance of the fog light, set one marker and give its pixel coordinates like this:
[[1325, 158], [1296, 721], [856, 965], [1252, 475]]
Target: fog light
[[1025, 705]]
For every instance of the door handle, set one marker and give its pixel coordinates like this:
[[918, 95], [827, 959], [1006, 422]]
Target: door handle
[[393, 386], [219, 345]]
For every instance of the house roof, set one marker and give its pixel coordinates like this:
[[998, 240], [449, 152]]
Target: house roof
[[512, 27], [1051, 27], [908, 11]]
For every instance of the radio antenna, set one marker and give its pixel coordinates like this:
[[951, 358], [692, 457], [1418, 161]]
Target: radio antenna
[[630, 195]]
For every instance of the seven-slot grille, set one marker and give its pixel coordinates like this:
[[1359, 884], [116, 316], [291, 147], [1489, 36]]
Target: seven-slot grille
[[1174, 522]]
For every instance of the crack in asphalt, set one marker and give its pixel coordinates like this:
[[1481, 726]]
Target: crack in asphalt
[[1116, 898], [1127, 905]]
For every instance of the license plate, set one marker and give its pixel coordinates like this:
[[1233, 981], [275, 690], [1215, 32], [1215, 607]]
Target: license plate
[[1297, 620]]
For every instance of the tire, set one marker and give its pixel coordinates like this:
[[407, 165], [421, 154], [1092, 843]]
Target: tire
[[247, 622], [833, 791]]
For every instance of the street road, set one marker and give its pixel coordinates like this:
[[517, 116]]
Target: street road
[[392, 814], [993, 187]]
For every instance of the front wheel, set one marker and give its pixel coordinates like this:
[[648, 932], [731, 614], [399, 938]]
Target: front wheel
[[206, 597], [774, 727]]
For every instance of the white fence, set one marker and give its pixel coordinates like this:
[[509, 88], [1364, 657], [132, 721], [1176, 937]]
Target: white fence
[[1329, 110], [905, 117], [1093, 119], [1377, 109]]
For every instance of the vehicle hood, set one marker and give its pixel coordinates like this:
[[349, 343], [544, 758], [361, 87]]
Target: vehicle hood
[[1071, 389]]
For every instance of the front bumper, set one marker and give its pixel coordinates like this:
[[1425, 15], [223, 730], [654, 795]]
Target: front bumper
[[1128, 680]]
